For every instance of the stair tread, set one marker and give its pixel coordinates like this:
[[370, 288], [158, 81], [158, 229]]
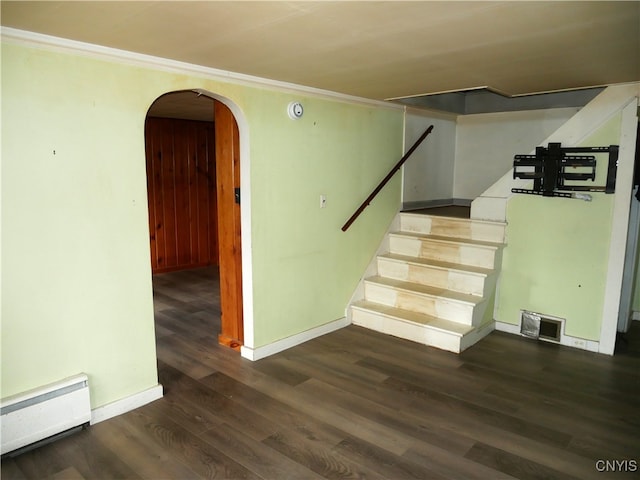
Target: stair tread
[[439, 264], [455, 219], [415, 317], [446, 239], [426, 289]]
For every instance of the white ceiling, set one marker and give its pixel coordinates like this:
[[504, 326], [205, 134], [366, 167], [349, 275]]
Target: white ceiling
[[377, 50]]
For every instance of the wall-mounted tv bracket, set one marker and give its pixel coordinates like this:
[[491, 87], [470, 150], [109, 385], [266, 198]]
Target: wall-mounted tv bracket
[[552, 166]]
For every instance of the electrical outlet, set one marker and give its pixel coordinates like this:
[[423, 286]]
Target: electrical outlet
[[323, 201]]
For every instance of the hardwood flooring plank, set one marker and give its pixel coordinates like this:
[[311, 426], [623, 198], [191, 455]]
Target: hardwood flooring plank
[[256, 455], [11, 471], [513, 465], [351, 421], [444, 385], [316, 408], [203, 355], [593, 433], [280, 372], [385, 463], [556, 393], [69, 474], [171, 351], [318, 456], [92, 459], [162, 331], [604, 447], [320, 347], [280, 413], [455, 407], [344, 366], [581, 418], [206, 461], [215, 409], [610, 384], [191, 416], [512, 442], [410, 425], [185, 325], [42, 462], [138, 450], [369, 343], [374, 391], [449, 465]]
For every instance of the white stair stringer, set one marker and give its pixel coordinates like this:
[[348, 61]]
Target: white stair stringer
[[436, 284]]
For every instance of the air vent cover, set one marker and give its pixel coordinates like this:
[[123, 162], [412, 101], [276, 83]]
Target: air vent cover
[[542, 327]]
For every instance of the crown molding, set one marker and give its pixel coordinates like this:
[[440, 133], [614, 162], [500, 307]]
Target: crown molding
[[47, 42]]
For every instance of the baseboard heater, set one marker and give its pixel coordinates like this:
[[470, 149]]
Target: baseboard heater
[[44, 412]]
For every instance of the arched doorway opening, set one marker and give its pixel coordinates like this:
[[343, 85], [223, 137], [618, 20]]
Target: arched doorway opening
[[193, 176]]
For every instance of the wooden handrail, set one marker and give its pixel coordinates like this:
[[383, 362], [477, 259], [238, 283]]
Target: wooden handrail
[[384, 181]]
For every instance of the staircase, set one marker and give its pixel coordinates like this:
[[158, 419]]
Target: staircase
[[436, 285]]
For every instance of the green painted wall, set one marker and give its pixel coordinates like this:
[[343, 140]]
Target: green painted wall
[[557, 254], [76, 278], [305, 267]]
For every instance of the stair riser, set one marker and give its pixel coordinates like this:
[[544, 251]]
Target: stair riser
[[415, 302], [438, 277], [408, 331], [472, 255], [449, 227]]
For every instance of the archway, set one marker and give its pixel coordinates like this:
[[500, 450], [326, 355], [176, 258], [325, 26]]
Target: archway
[[193, 169]]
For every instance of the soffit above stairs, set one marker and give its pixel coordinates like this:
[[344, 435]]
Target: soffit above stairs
[[378, 50]]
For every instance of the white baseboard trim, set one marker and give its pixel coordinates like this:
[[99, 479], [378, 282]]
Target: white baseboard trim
[[126, 404], [254, 354], [565, 340], [635, 315]]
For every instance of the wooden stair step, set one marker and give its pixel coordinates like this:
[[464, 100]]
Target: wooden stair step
[[464, 251], [452, 240], [458, 277], [427, 290], [453, 226], [425, 262], [436, 301], [422, 319]]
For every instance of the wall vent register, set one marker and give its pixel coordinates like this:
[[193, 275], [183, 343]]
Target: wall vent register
[[541, 327]]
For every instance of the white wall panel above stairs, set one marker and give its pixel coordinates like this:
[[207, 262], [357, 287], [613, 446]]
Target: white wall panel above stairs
[[436, 284]]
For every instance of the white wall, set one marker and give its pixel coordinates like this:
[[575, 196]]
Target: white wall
[[428, 173], [486, 143]]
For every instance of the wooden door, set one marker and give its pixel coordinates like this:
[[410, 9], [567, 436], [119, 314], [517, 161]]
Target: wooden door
[[229, 247]]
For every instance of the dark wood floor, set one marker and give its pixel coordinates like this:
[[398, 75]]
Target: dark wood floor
[[457, 211], [357, 404]]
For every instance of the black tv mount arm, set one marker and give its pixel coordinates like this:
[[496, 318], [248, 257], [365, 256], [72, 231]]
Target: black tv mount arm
[[552, 166]]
